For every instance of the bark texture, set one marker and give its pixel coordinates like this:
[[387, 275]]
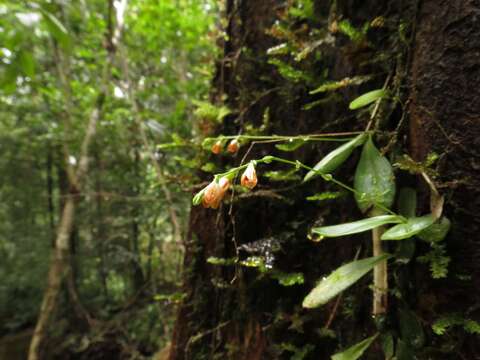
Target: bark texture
[[445, 118]]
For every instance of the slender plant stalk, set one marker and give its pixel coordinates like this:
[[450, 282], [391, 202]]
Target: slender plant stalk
[[380, 275]]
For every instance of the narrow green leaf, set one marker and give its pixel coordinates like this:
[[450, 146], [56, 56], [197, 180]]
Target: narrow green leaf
[[406, 230], [339, 280], [56, 28], [367, 99], [437, 232], [335, 158], [291, 145], [374, 179], [355, 351], [356, 226]]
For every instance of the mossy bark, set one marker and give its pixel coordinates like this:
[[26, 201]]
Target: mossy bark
[[237, 313]]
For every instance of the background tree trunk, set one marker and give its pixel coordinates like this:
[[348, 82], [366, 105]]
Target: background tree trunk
[[240, 315]]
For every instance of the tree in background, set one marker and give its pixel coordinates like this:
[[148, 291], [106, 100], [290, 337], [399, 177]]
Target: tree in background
[[65, 68]]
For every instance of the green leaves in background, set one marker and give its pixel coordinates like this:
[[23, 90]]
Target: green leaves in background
[[335, 158], [27, 63], [406, 230], [56, 29], [334, 85], [367, 99], [327, 195], [374, 179], [355, 351], [339, 280], [356, 226]]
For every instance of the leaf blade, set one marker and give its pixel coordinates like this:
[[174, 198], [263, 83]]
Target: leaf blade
[[406, 230], [437, 232], [374, 180], [367, 99], [355, 351], [339, 280], [356, 226], [335, 158]]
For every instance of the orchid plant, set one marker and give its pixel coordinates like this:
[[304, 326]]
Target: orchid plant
[[374, 191]]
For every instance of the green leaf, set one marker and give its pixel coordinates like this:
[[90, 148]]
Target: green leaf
[[355, 351], [437, 232], [406, 230], [56, 28], [356, 226], [367, 99], [291, 145], [374, 179], [339, 280], [335, 158]]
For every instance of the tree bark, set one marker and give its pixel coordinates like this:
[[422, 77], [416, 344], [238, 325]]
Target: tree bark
[[444, 118], [249, 316]]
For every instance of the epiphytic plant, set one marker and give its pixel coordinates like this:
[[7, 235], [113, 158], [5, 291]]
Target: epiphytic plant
[[374, 191]]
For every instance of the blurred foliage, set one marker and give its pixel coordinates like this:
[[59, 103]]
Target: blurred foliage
[[123, 249]]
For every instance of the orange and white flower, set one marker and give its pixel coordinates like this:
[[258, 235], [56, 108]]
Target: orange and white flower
[[249, 177], [217, 148], [214, 193], [233, 146]]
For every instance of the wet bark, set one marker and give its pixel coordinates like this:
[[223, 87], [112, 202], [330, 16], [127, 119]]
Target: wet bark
[[444, 118], [236, 312]]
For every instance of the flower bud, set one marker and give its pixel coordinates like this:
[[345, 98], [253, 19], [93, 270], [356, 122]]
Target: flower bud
[[233, 146], [217, 148], [249, 177], [215, 192]]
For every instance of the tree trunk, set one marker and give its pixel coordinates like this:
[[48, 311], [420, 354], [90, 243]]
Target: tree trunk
[[444, 118], [59, 266], [59, 262], [237, 313]]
